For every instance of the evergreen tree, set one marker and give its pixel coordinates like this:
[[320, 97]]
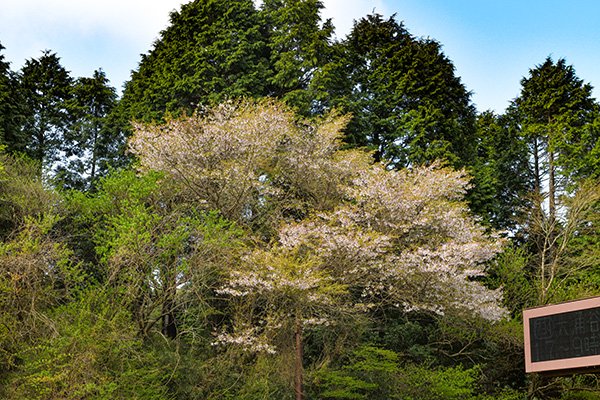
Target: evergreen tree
[[46, 89], [212, 49], [553, 107], [11, 108], [4, 94], [580, 154], [299, 44], [406, 101], [215, 50], [501, 176], [554, 110], [89, 145]]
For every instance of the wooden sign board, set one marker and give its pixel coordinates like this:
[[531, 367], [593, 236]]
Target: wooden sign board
[[562, 336]]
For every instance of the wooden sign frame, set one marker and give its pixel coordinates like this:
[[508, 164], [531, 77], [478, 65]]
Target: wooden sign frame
[[590, 327]]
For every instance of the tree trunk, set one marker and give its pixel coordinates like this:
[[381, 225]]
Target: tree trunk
[[298, 367], [378, 154], [551, 188], [169, 325], [94, 155], [536, 167], [41, 150]]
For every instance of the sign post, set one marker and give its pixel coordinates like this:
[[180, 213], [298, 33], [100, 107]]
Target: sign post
[[562, 337]]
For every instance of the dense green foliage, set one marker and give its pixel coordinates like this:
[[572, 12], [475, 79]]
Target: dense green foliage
[[212, 50], [553, 107], [501, 174], [406, 102], [269, 213]]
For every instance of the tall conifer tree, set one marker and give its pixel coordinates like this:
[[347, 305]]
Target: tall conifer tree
[[11, 108], [407, 103], [501, 175], [553, 107], [46, 89], [213, 49], [89, 144], [299, 43]]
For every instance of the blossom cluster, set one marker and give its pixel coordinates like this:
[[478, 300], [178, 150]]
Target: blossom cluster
[[405, 238], [248, 340], [242, 158]]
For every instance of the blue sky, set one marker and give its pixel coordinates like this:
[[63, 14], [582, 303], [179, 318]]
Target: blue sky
[[492, 43]]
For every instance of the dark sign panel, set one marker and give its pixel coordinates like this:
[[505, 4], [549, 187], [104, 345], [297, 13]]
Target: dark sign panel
[[562, 336], [566, 335]]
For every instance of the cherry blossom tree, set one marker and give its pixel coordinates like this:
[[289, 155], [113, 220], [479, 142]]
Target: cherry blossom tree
[[346, 235], [251, 161], [405, 238]]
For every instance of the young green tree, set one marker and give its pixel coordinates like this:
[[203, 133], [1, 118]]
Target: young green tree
[[582, 253], [376, 373], [91, 350], [568, 254], [37, 266], [141, 248], [34, 265], [22, 195], [158, 252]]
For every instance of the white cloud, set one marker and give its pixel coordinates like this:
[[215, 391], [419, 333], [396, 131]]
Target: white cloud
[[131, 20], [86, 34]]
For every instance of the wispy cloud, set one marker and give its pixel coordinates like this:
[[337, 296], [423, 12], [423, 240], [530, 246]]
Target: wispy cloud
[[130, 19]]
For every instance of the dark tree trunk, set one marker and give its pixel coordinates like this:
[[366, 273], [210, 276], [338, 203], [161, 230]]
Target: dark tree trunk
[[551, 187], [94, 156], [169, 326], [298, 362], [536, 167]]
